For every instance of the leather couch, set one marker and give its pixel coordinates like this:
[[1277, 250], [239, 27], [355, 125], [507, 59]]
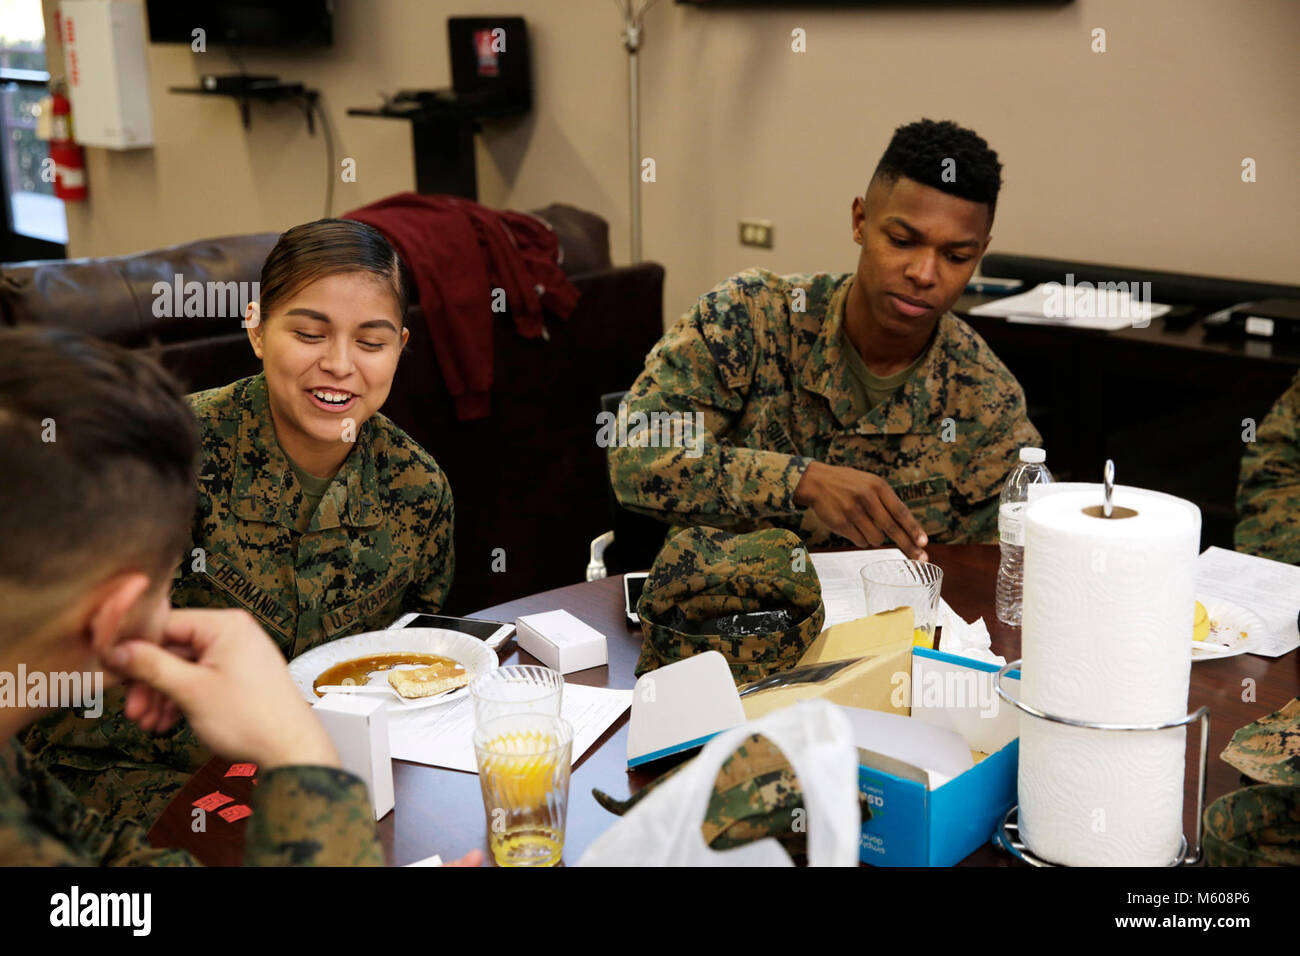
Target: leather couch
[[529, 479]]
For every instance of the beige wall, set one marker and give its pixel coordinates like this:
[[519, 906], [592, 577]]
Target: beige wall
[[209, 176], [1132, 156]]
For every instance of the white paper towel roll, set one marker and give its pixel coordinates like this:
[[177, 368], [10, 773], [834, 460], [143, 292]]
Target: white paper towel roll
[[1106, 637], [1100, 798]]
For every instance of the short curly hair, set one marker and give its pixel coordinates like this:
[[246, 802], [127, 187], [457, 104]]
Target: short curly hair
[[919, 151]]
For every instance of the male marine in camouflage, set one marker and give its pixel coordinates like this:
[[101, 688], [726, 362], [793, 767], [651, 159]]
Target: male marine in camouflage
[[97, 488], [849, 406], [1268, 494]]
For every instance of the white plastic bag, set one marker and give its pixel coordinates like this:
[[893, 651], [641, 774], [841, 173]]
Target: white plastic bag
[[664, 828]]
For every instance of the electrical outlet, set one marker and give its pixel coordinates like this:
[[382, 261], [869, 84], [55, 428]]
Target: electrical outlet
[[756, 232]]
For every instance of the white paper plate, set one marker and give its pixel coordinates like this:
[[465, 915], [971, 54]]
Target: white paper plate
[[471, 653], [1229, 624]]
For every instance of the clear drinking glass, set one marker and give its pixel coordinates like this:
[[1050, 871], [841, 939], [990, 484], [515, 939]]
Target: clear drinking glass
[[523, 770], [516, 689], [914, 584]]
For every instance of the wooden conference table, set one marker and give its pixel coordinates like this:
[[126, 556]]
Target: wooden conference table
[[441, 811]]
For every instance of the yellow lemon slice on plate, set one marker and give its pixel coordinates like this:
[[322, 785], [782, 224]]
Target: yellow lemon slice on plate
[[1201, 627]]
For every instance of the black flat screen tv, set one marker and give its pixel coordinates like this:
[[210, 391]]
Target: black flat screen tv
[[253, 23]]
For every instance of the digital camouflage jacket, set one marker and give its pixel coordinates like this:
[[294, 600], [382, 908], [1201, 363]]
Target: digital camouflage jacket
[[759, 361], [302, 816]]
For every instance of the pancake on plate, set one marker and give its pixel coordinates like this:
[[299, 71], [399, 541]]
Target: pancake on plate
[[419, 682]]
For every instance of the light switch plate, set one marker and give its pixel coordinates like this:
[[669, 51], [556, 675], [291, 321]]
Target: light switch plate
[[756, 232]]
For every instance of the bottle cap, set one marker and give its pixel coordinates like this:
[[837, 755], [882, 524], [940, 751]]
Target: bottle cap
[[1035, 456]]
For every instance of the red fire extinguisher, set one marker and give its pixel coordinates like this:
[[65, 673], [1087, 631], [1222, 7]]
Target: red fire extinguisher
[[69, 158]]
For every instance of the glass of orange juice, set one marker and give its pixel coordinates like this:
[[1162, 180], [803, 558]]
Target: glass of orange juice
[[914, 584], [523, 771]]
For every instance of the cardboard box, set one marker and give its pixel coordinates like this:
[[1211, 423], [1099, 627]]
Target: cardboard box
[[879, 649], [358, 725], [561, 641], [912, 825]]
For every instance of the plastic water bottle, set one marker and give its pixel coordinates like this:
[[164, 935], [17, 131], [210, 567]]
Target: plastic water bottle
[[1011, 532]]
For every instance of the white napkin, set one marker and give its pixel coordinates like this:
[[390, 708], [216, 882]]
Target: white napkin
[[965, 640]]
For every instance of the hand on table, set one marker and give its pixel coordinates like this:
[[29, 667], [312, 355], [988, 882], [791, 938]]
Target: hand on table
[[229, 679], [860, 506]]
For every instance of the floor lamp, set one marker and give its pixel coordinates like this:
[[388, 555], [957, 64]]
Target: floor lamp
[[633, 20]]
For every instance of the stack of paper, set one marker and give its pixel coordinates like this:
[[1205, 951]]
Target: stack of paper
[[839, 573], [1081, 305], [1269, 588]]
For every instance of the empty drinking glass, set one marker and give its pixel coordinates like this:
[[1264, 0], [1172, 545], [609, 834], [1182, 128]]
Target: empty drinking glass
[[517, 689], [915, 584]]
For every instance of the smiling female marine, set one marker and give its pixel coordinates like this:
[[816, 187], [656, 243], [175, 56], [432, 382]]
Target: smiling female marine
[[315, 513]]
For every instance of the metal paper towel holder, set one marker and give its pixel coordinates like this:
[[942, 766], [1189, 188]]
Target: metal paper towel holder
[[1007, 836], [1108, 509], [1108, 482]]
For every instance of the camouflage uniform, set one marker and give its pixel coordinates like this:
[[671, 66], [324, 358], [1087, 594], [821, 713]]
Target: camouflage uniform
[[379, 544], [302, 816], [755, 796], [704, 574], [1268, 492], [1268, 750], [1254, 826], [775, 392]]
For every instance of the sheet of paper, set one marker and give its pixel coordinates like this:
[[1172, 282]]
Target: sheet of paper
[[1044, 306], [1269, 588], [444, 736], [842, 584]]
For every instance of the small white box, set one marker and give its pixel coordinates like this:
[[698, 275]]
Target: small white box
[[107, 68], [359, 728], [561, 642]]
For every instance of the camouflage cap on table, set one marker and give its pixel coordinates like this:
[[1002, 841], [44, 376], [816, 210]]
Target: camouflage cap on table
[[1254, 826], [756, 795], [703, 576], [1269, 749]]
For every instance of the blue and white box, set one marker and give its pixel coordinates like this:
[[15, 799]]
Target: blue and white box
[[917, 821]]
